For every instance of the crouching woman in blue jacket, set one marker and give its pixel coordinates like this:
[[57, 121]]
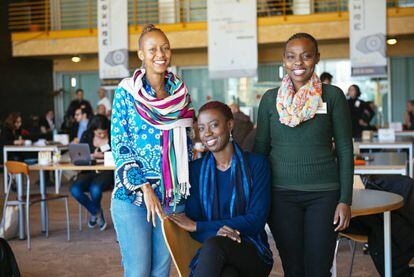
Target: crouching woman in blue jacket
[[229, 202]]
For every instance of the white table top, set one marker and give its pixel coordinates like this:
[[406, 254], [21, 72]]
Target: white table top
[[367, 201]]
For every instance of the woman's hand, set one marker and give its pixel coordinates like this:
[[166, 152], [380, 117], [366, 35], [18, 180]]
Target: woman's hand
[[342, 216], [152, 203], [183, 221], [233, 234]]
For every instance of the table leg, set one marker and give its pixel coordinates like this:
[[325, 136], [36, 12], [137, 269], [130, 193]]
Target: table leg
[[387, 244], [410, 160], [5, 170], [19, 181], [43, 203], [58, 179]]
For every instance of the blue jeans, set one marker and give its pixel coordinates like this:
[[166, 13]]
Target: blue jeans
[[143, 249], [95, 184]]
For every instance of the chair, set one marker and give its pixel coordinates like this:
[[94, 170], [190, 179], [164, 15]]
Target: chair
[[181, 246], [353, 239], [22, 169]]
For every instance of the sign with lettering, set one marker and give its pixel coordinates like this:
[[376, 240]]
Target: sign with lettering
[[367, 19], [232, 38], [113, 38]]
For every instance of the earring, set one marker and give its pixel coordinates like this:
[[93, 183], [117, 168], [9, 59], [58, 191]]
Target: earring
[[231, 137]]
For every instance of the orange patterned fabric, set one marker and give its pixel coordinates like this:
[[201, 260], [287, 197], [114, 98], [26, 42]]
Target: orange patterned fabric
[[296, 107]]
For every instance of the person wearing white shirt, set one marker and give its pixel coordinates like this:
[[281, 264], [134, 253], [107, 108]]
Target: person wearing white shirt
[[103, 100]]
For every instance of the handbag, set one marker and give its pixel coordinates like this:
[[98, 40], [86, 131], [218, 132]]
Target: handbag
[[9, 226]]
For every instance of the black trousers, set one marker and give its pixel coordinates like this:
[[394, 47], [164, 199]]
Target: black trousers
[[302, 226], [221, 256]]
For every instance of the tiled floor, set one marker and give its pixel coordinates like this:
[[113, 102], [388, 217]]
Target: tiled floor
[[96, 253]]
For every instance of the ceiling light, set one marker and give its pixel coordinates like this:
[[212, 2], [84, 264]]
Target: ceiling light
[[391, 41], [76, 59]]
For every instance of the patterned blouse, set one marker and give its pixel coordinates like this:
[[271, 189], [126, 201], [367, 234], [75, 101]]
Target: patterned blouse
[[136, 148]]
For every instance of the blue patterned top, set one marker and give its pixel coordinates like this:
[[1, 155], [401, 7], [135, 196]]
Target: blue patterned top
[[136, 148]]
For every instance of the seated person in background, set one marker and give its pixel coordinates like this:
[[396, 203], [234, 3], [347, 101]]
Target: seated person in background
[[47, 123], [242, 124], [409, 115], [229, 202], [97, 136], [11, 134], [101, 110], [81, 119]]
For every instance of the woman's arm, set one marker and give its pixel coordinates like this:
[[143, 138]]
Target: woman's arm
[[262, 140], [342, 131], [254, 220], [127, 168]]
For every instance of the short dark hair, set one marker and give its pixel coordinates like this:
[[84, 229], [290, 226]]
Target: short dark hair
[[99, 122], [83, 110], [357, 89], [326, 76], [218, 106], [302, 35], [79, 90], [148, 28]]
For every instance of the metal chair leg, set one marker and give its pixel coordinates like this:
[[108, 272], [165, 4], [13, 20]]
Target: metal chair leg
[[29, 245], [333, 268], [80, 216], [67, 218], [352, 245], [47, 219]]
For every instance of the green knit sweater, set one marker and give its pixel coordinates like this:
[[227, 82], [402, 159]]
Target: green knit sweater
[[303, 158]]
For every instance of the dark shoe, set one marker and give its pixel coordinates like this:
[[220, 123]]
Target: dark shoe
[[92, 222], [102, 222]]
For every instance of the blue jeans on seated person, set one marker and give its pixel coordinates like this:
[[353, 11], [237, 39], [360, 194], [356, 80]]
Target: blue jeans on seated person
[[95, 184], [143, 249]]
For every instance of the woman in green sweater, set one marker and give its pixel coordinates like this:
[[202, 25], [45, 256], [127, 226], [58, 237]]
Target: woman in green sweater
[[304, 128]]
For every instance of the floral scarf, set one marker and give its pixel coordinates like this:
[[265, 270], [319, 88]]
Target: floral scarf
[[296, 107]]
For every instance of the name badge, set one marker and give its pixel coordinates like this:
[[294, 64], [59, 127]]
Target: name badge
[[322, 108]]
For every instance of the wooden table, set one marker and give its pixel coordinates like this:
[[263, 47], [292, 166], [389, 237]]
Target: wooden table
[[383, 163], [399, 143], [367, 202], [26, 148], [58, 168]]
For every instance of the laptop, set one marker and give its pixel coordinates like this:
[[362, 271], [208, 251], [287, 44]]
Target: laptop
[[80, 154]]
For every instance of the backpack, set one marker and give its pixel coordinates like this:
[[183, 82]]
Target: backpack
[[8, 264]]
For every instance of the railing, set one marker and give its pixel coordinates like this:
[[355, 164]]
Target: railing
[[46, 15]]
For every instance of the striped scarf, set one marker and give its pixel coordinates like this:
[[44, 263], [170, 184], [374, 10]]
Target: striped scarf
[[171, 115], [296, 107]]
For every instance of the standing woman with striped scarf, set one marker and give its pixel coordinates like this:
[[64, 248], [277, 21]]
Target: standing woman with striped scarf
[[151, 113], [229, 202]]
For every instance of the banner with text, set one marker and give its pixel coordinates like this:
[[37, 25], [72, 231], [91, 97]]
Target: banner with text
[[367, 37], [113, 38], [232, 38]]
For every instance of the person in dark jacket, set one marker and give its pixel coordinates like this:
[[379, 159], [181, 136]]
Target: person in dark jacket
[[242, 125], [229, 202], [402, 225], [361, 112], [11, 134], [97, 137], [79, 102]]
